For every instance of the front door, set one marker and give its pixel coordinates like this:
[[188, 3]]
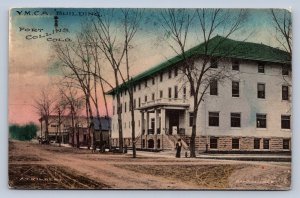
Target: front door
[[173, 120]]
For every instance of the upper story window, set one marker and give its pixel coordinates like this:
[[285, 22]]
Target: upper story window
[[153, 96], [235, 119], [176, 71], [285, 121], [134, 103], [161, 76], [261, 120], [146, 83], [170, 73], [139, 102], [213, 118], [139, 86], [285, 92], [161, 93], [261, 68], [145, 98], [184, 92], [235, 89], [235, 65], [213, 63], [285, 70], [153, 81], [213, 87], [170, 92], [114, 110], [175, 92], [125, 107], [261, 90]]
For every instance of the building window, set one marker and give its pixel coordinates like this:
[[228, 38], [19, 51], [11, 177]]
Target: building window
[[176, 71], [145, 98], [134, 103], [139, 102], [139, 123], [153, 81], [170, 74], [191, 119], [161, 76], [113, 110], [235, 143], [170, 92], [261, 120], [175, 92], [139, 86], [125, 107], [161, 93], [129, 124], [285, 70], [184, 92], [285, 121], [235, 119], [213, 142], [256, 143], [213, 63], [286, 144], [235, 89], [121, 108], [146, 85], [235, 65], [261, 90], [213, 88], [266, 143], [213, 118], [153, 96], [261, 68], [285, 92], [124, 125]]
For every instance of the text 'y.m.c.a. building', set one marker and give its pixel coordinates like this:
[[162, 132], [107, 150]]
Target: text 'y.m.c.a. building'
[[246, 105]]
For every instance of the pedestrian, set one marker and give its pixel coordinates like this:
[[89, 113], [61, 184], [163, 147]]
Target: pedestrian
[[178, 148]]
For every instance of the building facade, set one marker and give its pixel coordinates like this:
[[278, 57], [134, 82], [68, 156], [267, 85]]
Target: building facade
[[250, 110]]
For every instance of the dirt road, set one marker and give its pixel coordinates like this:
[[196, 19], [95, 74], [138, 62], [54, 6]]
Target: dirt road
[[36, 166]]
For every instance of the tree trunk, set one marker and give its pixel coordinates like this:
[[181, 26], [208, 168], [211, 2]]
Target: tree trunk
[[119, 111], [193, 136]]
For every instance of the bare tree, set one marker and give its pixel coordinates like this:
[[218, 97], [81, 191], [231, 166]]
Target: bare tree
[[73, 104], [177, 24], [282, 23], [114, 43], [45, 106], [76, 58]]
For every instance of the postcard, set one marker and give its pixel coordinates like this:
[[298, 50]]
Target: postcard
[[156, 99]]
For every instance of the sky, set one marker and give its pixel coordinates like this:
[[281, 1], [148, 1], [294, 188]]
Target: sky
[[32, 62]]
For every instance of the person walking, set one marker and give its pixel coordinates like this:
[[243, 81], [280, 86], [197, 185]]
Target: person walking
[[178, 148]]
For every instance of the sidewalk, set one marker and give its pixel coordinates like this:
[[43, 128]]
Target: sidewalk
[[242, 157]]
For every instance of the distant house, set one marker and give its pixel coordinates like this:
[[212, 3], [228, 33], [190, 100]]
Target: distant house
[[251, 111], [64, 132]]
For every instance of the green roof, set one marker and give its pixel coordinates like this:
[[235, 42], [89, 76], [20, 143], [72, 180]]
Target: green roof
[[220, 47]]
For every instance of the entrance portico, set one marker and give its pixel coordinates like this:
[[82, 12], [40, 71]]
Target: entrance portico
[[162, 119]]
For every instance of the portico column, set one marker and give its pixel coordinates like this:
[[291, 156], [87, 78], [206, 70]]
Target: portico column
[[155, 128], [163, 120], [142, 122], [147, 122], [186, 120]]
